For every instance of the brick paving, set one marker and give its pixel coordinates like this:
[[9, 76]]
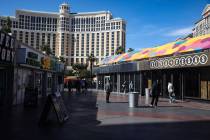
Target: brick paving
[[92, 118], [166, 112]]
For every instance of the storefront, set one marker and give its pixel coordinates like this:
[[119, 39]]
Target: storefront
[[185, 63], [35, 72], [189, 74], [7, 55]]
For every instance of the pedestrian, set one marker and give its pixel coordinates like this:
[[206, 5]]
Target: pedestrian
[[171, 92], [155, 93], [108, 87], [78, 86], [131, 86], [82, 83], [69, 86], [124, 86]]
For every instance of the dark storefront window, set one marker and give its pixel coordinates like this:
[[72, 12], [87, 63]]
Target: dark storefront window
[[137, 82], [191, 83], [122, 79], [114, 82]]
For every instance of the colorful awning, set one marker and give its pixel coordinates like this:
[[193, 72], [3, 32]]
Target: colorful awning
[[173, 48]]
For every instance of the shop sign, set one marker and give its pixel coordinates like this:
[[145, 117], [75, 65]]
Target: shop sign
[[45, 63], [190, 60], [7, 44], [32, 59]]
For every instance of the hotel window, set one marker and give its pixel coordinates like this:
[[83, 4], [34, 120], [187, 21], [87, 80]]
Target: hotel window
[[77, 60], [72, 45], [48, 39], [21, 36], [67, 45], [112, 51], [43, 23], [54, 42], [72, 61], [87, 44], [107, 44], [26, 37], [62, 44], [27, 22], [38, 23], [37, 40], [77, 45], [97, 45], [102, 44], [82, 45], [43, 39], [21, 21], [118, 38], [33, 23], [32, 39], [107, 26], [82, 60], [93, 45], [15, 34]]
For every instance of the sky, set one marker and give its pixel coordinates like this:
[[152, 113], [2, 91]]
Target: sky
[[149, 22]]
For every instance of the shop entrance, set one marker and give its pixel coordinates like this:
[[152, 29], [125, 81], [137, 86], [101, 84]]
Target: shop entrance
[[191, 84]]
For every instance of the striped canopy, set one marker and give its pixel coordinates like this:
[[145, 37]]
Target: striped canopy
[[181, 46]]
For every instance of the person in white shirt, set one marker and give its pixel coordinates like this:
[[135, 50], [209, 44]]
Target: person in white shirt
[[171, 92]]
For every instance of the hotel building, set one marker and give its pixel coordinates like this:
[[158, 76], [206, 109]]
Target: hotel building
[[202, 27], [73, 36]]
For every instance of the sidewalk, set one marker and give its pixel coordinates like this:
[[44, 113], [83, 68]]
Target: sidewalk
[[92, 118]]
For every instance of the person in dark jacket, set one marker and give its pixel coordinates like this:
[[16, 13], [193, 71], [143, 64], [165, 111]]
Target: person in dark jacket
[[156, 89], [108, 88]]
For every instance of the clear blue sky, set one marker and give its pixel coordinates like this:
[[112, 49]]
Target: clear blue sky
[[149, 22]]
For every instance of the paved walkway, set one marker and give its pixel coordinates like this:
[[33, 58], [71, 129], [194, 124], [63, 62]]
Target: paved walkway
[[92, 118]]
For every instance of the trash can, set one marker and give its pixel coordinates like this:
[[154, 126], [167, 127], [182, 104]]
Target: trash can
[[133, 99], [147, 90]]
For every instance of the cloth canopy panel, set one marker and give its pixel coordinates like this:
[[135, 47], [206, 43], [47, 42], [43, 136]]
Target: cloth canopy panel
[[173, 48]]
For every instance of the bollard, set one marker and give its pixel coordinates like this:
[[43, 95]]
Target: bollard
[[146, 96]]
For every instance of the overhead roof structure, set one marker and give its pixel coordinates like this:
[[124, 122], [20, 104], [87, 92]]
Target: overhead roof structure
[[173, 48]]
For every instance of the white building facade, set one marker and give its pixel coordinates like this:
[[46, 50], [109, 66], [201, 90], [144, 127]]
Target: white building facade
[[73, 36], [202, 26]]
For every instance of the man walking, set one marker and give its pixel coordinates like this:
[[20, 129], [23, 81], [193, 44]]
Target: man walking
[[108, 88], [155, 93]]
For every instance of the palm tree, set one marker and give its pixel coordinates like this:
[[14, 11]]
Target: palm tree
[[120, 50], [7, 26], [130, 49], [91, 59], [62, 59], [46, 48]]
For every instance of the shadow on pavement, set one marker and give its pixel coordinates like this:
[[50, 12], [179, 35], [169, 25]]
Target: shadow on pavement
[[20, 123]]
